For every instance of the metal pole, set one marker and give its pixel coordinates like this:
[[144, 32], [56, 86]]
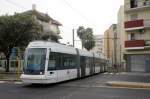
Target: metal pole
[[73, 36], [19, 67], [120, 57]]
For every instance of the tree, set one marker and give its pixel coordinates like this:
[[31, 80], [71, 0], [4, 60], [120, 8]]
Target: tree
[[17, 31], [80, 32], [86, 36]]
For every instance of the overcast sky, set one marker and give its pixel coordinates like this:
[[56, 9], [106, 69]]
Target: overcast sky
[[97, 14]]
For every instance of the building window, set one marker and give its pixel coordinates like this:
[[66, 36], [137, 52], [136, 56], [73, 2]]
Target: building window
[[134, 17], [146, 2], [133, 3], [132, 36]]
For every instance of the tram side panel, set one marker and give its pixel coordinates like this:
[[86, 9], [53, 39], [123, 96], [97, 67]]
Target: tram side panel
[[92, 69], [64, 64], [97, 65], [78, 64], [83, 66]]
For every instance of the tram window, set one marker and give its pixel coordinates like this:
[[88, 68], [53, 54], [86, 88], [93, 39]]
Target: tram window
[[87, 61], [68, 61], [52, 61]]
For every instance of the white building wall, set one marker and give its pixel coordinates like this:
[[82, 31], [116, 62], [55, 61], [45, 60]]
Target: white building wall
[[121, 35]]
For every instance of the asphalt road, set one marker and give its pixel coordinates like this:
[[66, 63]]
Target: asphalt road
[[88, 88]]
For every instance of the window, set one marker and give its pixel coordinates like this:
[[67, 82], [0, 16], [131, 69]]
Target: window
[[35, 60], [52, 61], [61, 61], [133, 3], [146, 2], [132, 36], [134, 17], [68, 60]]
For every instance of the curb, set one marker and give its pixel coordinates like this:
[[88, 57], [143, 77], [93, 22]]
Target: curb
[[10, 81], [128, 84]]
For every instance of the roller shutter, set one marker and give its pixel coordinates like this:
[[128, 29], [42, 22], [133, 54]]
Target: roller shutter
[[137, 63]]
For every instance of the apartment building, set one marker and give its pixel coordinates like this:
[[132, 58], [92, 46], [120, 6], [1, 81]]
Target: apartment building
[[137, 35], [110, 44], [51, 31], [121, 37], [98, 44]]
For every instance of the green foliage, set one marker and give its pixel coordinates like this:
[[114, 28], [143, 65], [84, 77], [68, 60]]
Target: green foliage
[[17, 31], [86, 36], [80, 32], [39, 15]]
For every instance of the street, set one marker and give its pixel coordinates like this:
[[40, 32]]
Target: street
[[88, 88]]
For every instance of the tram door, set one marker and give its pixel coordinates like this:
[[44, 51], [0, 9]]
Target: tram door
[[83, 65], [51, 64]]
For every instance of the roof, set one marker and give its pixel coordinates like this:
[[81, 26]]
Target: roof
[[54, 47], [42, 16], [57, 47]]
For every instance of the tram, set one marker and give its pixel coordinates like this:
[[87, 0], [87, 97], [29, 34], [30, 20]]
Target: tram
[[49, 62]]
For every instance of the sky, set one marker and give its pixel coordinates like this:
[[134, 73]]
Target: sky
[[97, 14]]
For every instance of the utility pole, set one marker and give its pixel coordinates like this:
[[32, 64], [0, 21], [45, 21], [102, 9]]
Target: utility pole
[[73, 36]]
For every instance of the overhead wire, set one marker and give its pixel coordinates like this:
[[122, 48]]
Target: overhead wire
[[15, 4], [78, 12]]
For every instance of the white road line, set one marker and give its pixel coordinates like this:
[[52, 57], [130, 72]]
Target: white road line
[[18, 83], [2, 82], [105, 73], [121, 87]]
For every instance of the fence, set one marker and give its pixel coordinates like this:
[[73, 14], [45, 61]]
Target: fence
[[13, 65]]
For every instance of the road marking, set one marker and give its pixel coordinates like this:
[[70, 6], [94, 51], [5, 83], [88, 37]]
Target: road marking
[[120, 87], [105, 73], [2, 82], [18, 83]]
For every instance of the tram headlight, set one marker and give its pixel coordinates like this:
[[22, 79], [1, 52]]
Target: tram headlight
[[41, 73]]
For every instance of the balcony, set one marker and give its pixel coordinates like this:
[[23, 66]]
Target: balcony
[[137, 44], [140, 5], [134, 44], [136, 24]]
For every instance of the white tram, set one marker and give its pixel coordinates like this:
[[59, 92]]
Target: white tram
[[48, 62]]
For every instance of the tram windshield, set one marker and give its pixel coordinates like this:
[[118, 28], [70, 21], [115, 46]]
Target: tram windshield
[[35, 61]]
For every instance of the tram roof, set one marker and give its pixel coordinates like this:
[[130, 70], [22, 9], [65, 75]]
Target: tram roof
[[57, 47]]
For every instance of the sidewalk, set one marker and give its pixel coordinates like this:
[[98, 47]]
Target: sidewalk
[[130, 80], [128, 84], [8, 76]]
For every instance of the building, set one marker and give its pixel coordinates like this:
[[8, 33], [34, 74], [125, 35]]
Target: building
[[121, 36], [98, 44], [137, 35], [110, 44], [107, 48], [50, 26]]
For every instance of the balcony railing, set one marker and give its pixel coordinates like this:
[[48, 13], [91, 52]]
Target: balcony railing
[[137, 24], [139, 5], [134, 43], [133, 24]]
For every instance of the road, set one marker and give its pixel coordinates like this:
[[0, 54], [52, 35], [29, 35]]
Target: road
[[88, 88]]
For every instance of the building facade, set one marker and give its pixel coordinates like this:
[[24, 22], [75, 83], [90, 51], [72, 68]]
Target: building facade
[[50, 26], [121, 37], [111, 45], [137, 35], [98, 44]]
